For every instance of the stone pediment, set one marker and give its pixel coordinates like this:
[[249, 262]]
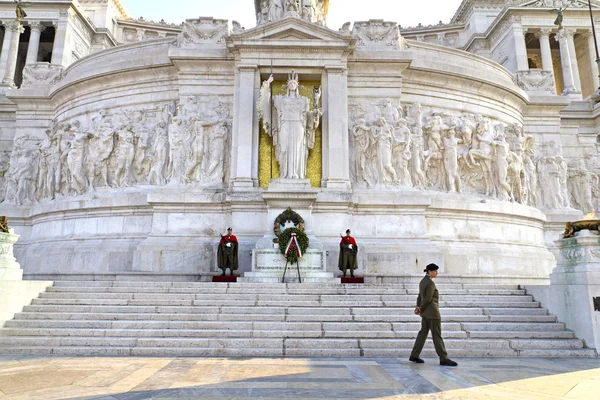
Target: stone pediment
[[291, 30]]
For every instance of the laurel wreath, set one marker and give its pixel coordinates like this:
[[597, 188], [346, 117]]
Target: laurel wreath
[[287, 215], [284, 239]]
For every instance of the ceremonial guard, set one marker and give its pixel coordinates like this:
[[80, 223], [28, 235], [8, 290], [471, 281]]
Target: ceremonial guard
[[348, 254], [227, 256], [429, 310]]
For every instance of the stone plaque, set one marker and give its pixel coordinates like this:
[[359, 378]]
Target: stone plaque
[[273, 260]]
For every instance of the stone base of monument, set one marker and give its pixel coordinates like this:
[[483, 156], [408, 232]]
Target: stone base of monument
[[575, 286], [10, 270], [268, 266]]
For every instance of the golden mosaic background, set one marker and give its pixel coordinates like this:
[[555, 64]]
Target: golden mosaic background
[[266, 152]]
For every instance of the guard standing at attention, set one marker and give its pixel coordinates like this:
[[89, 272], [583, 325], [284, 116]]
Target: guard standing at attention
[[227, 255], [429, 310], [348, 254]]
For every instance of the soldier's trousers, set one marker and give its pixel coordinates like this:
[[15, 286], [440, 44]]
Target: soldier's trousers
[[348, 261], [435, 325], [227, 262]]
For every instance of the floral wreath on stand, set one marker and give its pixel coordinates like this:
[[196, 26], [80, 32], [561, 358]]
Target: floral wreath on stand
[[291, 238]]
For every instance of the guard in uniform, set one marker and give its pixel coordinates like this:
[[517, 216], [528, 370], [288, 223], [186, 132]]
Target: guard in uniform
[[429, 310], [227, 255], [348, 254]]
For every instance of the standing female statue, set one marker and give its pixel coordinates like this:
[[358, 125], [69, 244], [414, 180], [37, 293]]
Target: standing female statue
[[293, 129]]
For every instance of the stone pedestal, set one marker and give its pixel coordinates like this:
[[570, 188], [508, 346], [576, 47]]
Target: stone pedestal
[[268, 263], [575, 283], [294, 193], [268, 266], [10, 270]]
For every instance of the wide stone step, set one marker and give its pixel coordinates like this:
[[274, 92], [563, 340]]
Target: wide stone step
[[279, 352], [521, 334], [202, 303], [205, 333], [217, 298], [289, 343], [507, 326], [360, 313], [440, 283], [283, 291]]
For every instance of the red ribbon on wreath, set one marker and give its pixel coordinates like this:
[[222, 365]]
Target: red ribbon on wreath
[[293, 246]]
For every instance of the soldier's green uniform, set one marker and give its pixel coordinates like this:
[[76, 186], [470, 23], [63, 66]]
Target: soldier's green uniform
[[430, 320]]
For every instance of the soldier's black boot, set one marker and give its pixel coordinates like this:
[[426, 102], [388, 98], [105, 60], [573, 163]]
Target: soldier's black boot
[[416, 360], [223, 274], [230, 272], [449, 363], [352, 273]]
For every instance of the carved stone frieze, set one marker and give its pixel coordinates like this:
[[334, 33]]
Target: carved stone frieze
[[536, 80], [203, 31], [182, 143], [377, 34], [572, 255], [42, 74]]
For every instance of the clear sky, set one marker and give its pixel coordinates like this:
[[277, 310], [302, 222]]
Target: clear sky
[[405, 12]]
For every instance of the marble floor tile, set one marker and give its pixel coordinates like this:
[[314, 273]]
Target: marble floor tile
[[295, 378]]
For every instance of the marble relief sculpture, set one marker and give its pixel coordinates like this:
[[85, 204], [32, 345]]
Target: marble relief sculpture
[[294, 126], [468, 153], [184, 144], [274, 10]]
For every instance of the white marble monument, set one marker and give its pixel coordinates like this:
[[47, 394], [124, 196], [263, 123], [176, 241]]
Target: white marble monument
[[128, 145]]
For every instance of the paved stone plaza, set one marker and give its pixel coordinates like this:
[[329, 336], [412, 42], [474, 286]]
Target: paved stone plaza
[[165, 378]]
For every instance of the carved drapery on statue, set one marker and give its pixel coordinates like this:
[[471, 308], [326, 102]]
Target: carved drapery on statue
[[180, 143], [294, 126]]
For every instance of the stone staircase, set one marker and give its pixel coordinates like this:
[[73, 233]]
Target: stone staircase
[[243, 319]]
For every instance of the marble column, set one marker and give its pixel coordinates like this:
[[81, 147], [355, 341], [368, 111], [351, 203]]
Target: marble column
[[565, 60], [13, 51], [243, 151], [60, 40], [336, 172], [544, 37], [520, 47], [34, 41], [5, 48], [593, 60], [570, 33]]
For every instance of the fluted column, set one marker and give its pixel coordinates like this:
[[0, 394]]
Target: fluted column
[[5, 48], [13, 48], [34, 41], [570, 33], [520, 47], [593, 62], [544, 36], [565, 60]]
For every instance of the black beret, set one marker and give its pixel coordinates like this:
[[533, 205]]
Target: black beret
[[431, 267]]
